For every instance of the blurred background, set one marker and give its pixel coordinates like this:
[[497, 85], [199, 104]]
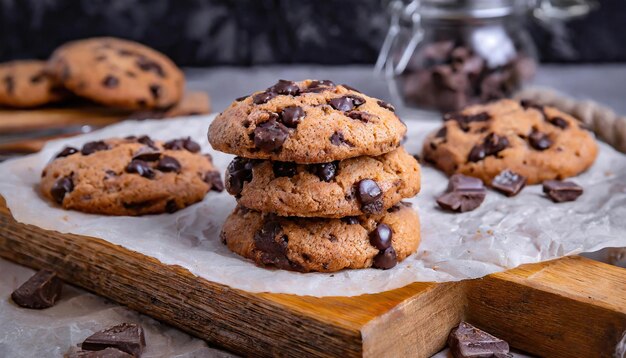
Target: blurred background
[[252, 32]]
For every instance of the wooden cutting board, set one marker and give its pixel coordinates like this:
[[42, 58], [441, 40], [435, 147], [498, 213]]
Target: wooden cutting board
[[571, 307]]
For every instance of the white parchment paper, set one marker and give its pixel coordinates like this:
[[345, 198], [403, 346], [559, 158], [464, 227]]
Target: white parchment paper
[[503, 233]]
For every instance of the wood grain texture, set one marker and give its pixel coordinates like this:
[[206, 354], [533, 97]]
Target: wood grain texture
[[550, 309]]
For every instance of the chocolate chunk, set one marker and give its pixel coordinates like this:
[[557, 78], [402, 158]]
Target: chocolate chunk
[[110, 81], [508, 182], [286, 88], [155, 91], [284, 169], [386, 105], [144, 139], [380, 238], [461, 201], [477, 153], [492, 145], [338, 139], [467, 341], [147, 154], [559, 122], [214, 178], [273, 245], [140, 167], [9, 84], [361, 116], [325, 171], [386, 259], [269, 136], [539, 141], [127, 337], [148, 65], [263, 97], [67, 151], [344, 104], [356, 100], [168, 164], [464, 120], [183, 143], [562, 191], [105, 353], [171, 206], [239, 172], [42, 290], [350, 220], [370, 196], [241, 98], [92, 147], [460, 182], [292, 116], [61, 187], [526, 104], [38, 77], [322, 83]]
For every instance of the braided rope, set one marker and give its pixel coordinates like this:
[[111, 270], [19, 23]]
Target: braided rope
[[608, 125]]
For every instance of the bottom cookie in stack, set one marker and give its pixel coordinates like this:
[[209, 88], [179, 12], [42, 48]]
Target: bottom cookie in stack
[[324, 245]]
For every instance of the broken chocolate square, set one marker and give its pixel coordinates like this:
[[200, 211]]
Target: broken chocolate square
[[467, 341], [562, 191], [42, 290], [127, 337], [509, 183]]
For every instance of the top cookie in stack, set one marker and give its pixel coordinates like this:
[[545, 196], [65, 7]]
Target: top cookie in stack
[[319, 177]]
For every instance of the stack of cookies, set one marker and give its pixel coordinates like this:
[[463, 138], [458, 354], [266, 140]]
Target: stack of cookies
[[319, 177]]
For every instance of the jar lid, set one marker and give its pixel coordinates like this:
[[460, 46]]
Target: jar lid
[[462, 9]]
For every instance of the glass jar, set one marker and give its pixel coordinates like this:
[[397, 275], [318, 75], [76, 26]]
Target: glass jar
[[447, 54]]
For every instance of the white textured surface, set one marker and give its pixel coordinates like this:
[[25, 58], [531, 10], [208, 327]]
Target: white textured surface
[[503, 233]]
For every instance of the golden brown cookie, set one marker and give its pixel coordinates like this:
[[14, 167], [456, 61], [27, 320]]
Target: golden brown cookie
[[118, 73], [307, 122], [324, 245], [330, 190], [539, 143], [24, 84], [131, 176]]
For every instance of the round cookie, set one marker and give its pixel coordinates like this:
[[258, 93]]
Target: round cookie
[[307, 122], [324, 245], [355, 186], [24, 84], [131, 176], [539, 143], [118, 73]]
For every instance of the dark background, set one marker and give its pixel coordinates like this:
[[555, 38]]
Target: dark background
[[248, 32]]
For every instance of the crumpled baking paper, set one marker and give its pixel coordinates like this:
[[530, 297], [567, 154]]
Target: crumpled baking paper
[[501, 234]]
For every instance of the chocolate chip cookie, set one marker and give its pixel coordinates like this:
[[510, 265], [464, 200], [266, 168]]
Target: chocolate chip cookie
[[130, 176], [539, 143], [324, 245], [307, 122], [24, 84], [356, 186], [118, 73]]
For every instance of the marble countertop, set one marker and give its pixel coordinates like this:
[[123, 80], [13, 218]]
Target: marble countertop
[[84, 312]]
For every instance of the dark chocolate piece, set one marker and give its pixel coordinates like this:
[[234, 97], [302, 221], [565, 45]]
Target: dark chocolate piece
[[344, 104], [562, 191], [370, 196], [214, 178], [61, 187], [110, 81], [285, 87], [350, 220], [284, 169], [147, 154], [263, 97], [559, 122], [271, 241], [127, 337], [509, 183], [539, 141], [42, 290], [183, 143], [148, 65], [292, 116], [386, 105], [467, 341], [325, 171], [464, 194], [168, 164], [460, 182], [338, 139], [269, 136], [361, 116], [380, 238], [67, 151], [92, 147], [492, 145], [385, 259], [239, 171], [140, 167]]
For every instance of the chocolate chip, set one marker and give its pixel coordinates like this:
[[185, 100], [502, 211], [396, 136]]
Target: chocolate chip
[[286, 88], [442, 132], [338, 139], [477, 153], [142, 103], [350, 220], [239, 172], [214, 178], [325, 171], [183, 143], [147, 154], [562, 191], [461, 201], [273, 245], [386, 259], [356, 100], [380, 238], [464, 120], [322, 83], [155, 91], [263, 97], [67, 151], [460, 182], [92, 147], [344, 104], [168, 164], [171, 206], [370, 196], [241, 98], [38, 77], [109, 174], [127, 337], [140, 167], [492, 145], [148, 65], [269, 136], [526, 104], [386, 105], [559, 122], [110, 81], [469, 341], [361, 116], [9, 84], [42, 290], [508, 182], [292, 116], [284, 169], [539, 141], [61, 187]]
